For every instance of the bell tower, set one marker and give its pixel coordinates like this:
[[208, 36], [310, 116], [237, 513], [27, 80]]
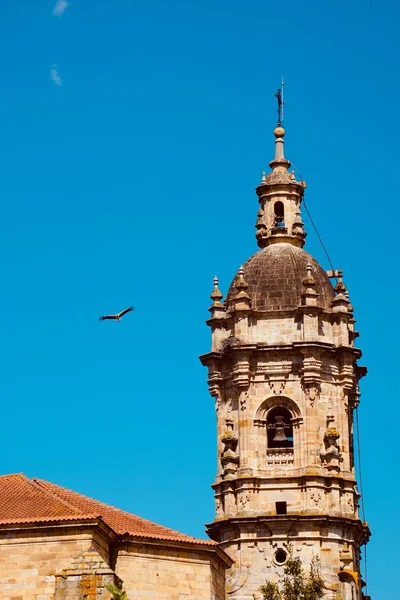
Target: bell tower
[[284, 374]]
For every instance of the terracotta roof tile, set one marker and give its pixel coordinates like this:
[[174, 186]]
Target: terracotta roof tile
[[24, 500]]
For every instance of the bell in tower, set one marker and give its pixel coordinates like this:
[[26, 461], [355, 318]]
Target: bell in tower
[[280, 430]]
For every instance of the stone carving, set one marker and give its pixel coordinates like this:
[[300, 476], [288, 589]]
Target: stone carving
[[218, 508], [331, 456], [229, 457], [280, 456], [312, 393], [243, 500], [316, 498], [346, 556], [277, 387], [350, 502]]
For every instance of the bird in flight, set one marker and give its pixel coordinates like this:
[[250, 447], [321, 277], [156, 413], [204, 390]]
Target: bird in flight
[[118, 316]]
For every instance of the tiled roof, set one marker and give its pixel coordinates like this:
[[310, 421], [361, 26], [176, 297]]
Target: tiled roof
[[24, 500], [275, 279]]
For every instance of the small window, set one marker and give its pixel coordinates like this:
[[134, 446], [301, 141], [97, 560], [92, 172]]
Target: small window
[[279, 211], [279, 428], [281, 508], [280, 556]]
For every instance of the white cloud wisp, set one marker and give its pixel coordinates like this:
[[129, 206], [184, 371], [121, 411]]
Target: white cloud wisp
[[60, 8], [55, 76]]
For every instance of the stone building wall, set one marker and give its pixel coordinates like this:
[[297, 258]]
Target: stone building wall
[[33, 564], [75, 564], [150, 572]]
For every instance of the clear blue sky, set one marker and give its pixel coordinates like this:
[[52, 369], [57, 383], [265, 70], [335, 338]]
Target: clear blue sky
[[133, 182]]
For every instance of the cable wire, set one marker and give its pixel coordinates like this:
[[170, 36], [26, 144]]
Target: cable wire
[[362, 498], [313, 224], [356, 411], [318, 236]]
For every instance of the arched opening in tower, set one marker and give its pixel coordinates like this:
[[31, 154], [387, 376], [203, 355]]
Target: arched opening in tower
[[279, 212]]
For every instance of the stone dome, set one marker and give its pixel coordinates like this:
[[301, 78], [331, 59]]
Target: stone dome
[[275, 277]]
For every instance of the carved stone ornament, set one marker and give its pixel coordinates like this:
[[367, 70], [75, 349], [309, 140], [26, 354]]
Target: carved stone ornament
[[243, 500], [346, 556], [312, 393], [277, 387], [229, 457], [331, 456], [218, 508], [316, 498]]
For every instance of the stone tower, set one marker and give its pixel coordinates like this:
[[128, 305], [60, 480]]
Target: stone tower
[[283, 371]]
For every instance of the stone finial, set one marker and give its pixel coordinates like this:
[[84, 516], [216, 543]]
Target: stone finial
[[216, 296], [263, 177], [241, 283], [340, 288], [217, 308], [309, 296], [309, 280], [241, 299], [260, 226], [298, 226], [341, 302], [349, 306]]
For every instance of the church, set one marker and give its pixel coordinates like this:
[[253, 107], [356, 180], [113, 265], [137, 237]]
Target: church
[[283, 371]]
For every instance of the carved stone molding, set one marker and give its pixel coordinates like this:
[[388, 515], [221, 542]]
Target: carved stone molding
[[277, 385], [229, 457], [312, 392]]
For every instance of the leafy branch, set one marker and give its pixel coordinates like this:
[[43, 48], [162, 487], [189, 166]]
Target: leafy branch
[[295, 584], [117, 592]]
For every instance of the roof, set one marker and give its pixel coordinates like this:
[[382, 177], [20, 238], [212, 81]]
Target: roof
[[24, 500], [275, 277]]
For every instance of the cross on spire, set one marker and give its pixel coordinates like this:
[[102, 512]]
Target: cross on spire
[[279, 97]]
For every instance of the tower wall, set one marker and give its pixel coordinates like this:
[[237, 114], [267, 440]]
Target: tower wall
[[283, 371]]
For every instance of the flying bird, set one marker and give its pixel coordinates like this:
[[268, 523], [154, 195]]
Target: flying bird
[[118, 316]]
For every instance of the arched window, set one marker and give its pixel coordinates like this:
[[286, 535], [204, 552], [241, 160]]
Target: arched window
[[279, 212], [279, 428]]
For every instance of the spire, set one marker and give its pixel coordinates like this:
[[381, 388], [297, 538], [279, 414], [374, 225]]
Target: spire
[[280, 161], [280, 196]]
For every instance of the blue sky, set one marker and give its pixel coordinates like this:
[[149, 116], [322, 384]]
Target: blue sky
[[132, 136]]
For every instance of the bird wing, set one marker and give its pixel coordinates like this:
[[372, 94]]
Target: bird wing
[[126, 310], [103, 318]]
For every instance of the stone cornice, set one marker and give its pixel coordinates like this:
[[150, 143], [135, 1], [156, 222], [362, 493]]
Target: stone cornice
[[301, 479], [287, 521], [57, 527], [209, 548]]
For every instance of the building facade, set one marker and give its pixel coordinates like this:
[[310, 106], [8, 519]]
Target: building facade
[[284, 374]]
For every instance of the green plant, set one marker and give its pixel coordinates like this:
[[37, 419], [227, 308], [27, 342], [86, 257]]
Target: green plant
[[295, 584], [117, 591]]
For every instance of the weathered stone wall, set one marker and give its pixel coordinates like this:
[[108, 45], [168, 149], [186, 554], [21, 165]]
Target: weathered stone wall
[[30, 563], [170, 574], [74, 565], [284, 330]]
